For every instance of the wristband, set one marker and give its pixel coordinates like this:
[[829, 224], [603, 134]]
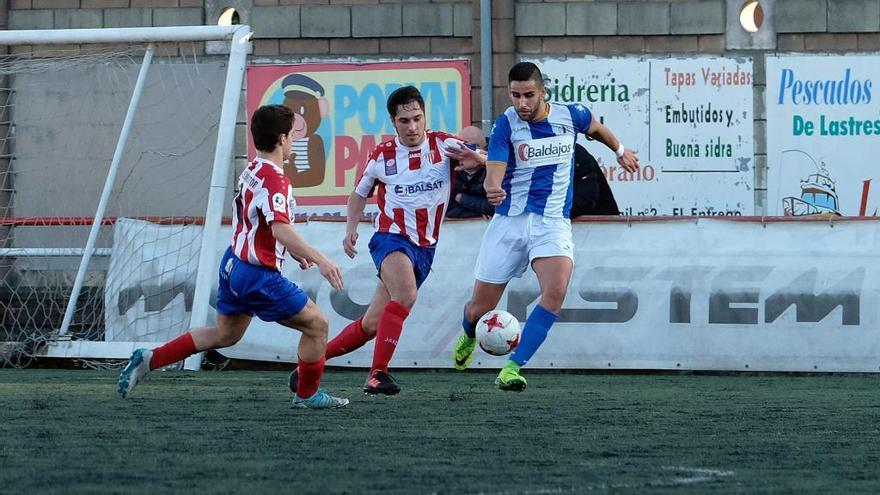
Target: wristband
[[619, 151]]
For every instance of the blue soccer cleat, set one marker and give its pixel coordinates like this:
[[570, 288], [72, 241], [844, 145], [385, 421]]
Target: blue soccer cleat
[[134, 371], [321, 400]]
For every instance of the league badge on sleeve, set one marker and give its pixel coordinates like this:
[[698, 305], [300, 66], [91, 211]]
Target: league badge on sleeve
[[279, 203]]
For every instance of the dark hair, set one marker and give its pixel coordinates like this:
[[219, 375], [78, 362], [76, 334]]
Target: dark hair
[[269, 122], [526, 71], [402, 97]]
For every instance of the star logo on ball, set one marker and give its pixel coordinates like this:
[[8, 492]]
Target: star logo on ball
[[493, 323]]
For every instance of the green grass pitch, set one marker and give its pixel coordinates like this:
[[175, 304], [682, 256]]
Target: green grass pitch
[[65, 431]]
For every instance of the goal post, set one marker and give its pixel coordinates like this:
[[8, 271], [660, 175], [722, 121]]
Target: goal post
[[31, 231]]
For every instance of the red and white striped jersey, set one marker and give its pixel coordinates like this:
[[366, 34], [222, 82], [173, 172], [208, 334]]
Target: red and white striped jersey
[[264, 196], [413, 186]]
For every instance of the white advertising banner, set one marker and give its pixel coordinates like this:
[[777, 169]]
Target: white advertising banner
[[823, 135], [150, 280], [707, 295], [690, 119]]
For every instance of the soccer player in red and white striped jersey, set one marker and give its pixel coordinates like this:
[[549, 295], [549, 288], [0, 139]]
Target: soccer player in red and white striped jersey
[[411, 175], [250, 272]]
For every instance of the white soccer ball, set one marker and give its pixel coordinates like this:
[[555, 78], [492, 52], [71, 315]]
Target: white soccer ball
[[497, 332]]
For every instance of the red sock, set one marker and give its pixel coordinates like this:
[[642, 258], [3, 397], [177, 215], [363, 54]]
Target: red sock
[[351, 338], [309, 377], [387, 334], [180, 348]]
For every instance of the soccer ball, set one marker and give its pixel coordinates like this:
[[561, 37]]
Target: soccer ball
[[497, 332]]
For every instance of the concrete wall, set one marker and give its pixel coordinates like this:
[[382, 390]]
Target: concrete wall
[[66, 132]]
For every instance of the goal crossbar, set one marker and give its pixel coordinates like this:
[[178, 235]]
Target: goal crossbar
[[123, 35]]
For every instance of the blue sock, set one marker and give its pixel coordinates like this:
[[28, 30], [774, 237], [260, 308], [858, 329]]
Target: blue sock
[[470, 327], [537, 326]]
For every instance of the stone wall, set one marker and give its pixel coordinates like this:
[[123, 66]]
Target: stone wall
[[293, 31]]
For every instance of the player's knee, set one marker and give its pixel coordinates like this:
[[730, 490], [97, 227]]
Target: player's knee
[[476, 309], [227, 338], [369, 324], [552, 300], [406, 298], [319, 326]]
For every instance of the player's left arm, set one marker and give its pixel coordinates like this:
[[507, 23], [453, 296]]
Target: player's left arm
[[272, 201], [284, 233], [456, 149], [627, 158]]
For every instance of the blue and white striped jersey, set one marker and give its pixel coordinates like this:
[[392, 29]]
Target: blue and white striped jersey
[[539, 157]]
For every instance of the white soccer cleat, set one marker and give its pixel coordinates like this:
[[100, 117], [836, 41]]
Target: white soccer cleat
[[134, 371], [321, 400]]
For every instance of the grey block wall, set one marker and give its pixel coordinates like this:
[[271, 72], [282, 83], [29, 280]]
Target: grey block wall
[[292, 31]]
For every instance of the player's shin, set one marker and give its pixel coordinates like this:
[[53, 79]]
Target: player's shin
[[176, 350], [387, 334], [310, 373], [537, 326], [351, 338]]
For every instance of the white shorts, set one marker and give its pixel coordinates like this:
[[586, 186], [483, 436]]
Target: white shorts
[[511, 243]]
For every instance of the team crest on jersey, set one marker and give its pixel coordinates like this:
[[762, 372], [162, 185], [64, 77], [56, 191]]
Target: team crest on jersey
[[390, 166], [279, 202]]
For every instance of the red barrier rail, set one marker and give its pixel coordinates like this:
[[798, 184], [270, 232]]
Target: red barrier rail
[[45, 221]]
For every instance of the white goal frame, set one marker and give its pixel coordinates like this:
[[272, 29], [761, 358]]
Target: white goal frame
[[238, 37]]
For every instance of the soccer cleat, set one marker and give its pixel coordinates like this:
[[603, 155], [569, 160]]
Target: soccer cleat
[[134, 371], [321, 400], [464, 351], [509, 379], [381, 383], [293, 379]]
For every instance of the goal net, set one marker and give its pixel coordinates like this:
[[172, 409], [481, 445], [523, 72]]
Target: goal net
[[136, 131]]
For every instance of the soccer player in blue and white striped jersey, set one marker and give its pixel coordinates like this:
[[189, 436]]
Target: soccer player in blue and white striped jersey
[[529, 181]]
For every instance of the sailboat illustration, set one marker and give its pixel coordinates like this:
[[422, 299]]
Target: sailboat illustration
[[818, 196]]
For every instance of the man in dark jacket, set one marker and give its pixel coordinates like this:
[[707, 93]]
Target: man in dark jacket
[[468, 196], [591, 196]]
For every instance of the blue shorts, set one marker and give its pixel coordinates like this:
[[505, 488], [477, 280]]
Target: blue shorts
[[382, 244], [247, 289]]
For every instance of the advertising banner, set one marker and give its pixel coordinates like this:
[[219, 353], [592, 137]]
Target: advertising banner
[[340, 117], [710, 294], [690, 119], [823, 135]]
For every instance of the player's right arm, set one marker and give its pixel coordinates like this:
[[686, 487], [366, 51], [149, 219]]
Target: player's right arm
[[494, 175], [496, 164], [357, 201], [299, 248], [354, 212]]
